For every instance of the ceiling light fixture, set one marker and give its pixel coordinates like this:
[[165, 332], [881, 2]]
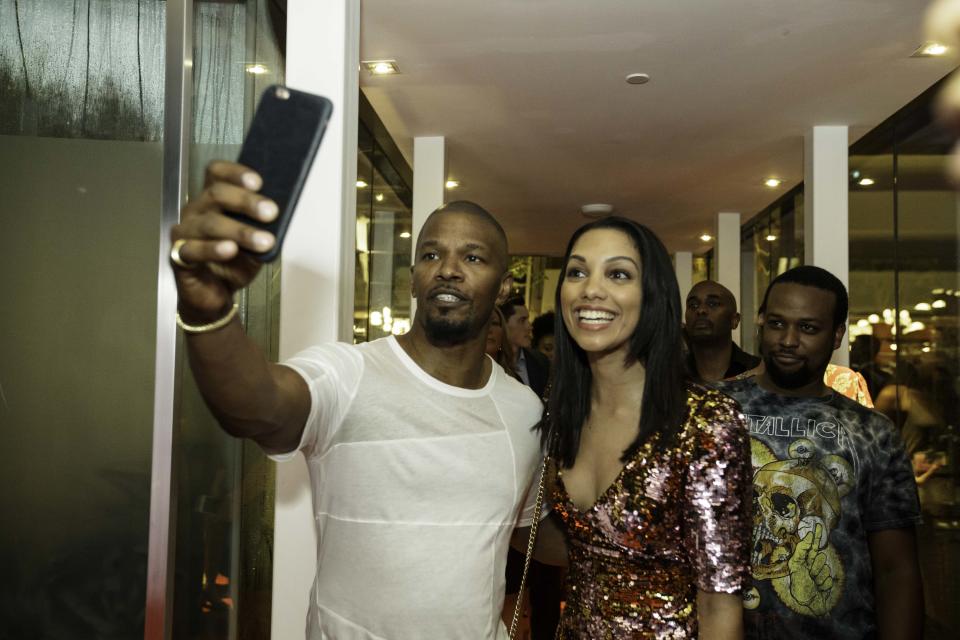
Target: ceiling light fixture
[[922, 306], [404, 234], [939, 304], [771, 237], [773, 183], [866, 182], [452, 184], [638, 78], [381, 67], [256, 69], [930, 50], [706, 237], [596, 210], [378, 197], [361, 184]]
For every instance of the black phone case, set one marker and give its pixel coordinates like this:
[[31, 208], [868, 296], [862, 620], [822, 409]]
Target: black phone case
[[280, 145]]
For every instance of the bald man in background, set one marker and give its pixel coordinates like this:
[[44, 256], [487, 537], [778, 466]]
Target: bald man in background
[[709, 321]]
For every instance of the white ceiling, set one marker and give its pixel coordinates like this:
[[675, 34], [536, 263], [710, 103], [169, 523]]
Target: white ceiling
[[538, 119]]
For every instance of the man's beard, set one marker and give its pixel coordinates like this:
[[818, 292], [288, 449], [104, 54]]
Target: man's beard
[[792, 379], [447, 331]]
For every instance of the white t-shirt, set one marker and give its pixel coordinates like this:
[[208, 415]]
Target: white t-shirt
[[417, 486]]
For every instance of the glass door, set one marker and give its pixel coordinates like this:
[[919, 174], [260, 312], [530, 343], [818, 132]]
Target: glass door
[[224, 486]]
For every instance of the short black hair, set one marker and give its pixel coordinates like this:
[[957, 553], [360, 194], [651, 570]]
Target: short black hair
[[542, 327], [819, 278], [472, 209], [731, 300], [509, 306]]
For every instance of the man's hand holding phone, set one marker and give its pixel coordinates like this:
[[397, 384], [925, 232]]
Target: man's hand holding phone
[[208, 242]]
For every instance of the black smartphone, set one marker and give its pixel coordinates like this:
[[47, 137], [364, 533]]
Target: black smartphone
[[280, 145]]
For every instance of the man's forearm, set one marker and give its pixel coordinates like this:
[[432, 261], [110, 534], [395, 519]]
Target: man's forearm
[[250, 396], [899, 603], [897, 587]]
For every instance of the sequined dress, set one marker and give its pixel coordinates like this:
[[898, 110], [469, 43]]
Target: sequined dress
[[671, 523]]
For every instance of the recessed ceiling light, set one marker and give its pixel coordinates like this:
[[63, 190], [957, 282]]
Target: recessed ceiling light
[[922, 306], [773, 183], [405, 234], [771, 237], [452, 184], [361, 184], [596, 210], [256, 69], [638, 78], [866, 182], [381, 67], [378, 197], [930, 50], [706, 237], [939, 304]]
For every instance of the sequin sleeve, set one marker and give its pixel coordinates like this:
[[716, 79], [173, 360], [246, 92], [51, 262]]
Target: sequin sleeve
[[718, 496]]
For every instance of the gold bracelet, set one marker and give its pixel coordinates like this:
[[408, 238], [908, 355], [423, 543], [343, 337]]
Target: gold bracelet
[[212, 326]]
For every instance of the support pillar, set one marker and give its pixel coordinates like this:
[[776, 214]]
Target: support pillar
[[727, 256], [429, 181], [316, 301], [683, 266], [826, 241], [429, 178]]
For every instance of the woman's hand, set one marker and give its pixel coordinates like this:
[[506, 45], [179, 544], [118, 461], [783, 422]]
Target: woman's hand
[[719, 615]]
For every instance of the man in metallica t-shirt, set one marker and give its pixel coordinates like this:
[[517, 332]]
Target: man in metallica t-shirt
[[835, 503]]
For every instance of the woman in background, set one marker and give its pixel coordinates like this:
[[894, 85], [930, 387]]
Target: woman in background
[[651, 477]]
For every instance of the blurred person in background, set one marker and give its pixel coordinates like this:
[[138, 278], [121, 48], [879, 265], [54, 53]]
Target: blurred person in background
[[532, 368], [543, 334]]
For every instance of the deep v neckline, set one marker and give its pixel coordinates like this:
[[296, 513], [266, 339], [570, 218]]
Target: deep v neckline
[[603, 495]]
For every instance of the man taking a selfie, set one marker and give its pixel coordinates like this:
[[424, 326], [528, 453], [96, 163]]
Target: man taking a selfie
[[419, 447]]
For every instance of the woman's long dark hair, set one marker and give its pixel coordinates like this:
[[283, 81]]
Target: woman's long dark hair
[[656, 343]]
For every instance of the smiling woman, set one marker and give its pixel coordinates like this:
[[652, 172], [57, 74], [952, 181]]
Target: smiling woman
[[638, 450]]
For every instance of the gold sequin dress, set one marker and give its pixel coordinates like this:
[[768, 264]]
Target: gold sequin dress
[[672, 522]]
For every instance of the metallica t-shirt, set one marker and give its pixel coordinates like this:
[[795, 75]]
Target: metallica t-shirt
[[826, 473]]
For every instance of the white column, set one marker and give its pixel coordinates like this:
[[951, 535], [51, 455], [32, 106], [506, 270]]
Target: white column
[[683, 266], [748, 302], [826, 240], [429, 178], [429, 183], [316, 299], [726, 254]]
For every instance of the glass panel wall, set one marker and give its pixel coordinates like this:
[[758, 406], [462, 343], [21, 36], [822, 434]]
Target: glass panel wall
[[904, 288], [770, 243], [81, 129], [382, 304], [225, 487]]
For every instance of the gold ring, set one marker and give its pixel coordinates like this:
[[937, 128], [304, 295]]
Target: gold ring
[[175, 255]]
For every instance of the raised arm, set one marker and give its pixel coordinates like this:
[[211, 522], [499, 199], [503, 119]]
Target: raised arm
[[250, 396]]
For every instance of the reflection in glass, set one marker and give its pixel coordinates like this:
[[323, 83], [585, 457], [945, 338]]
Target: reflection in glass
[[904, 286], [225, 486], [771, 242], [382, 303]]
